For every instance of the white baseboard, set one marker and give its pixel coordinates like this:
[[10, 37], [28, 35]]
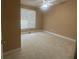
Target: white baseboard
[[12, 51], [61, 36]]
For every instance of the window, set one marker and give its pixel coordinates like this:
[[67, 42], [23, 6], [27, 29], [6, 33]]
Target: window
[[28, 18]]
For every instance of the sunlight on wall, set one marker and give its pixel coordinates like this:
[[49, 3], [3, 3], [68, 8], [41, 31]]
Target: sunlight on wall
[[28, 18]]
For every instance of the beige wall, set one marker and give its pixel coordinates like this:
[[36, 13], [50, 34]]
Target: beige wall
[[61, 19], [39, 23], [10, 24]]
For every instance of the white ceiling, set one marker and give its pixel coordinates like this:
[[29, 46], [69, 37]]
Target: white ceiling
[[37, 3]]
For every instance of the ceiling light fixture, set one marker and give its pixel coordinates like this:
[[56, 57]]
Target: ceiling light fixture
[[46, 4]]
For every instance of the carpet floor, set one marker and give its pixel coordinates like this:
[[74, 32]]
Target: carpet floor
[[42, 45]]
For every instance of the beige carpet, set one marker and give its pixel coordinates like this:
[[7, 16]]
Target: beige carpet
[[41, 45]]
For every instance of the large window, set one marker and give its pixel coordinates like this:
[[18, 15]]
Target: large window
[[28, 18]]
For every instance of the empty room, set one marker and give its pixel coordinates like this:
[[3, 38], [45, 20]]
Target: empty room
[[38, 29]]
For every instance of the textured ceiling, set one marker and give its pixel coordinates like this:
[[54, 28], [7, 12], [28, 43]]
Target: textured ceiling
[[37, 3]]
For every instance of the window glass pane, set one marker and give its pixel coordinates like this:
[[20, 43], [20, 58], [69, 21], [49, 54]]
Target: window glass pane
[[28, 18]]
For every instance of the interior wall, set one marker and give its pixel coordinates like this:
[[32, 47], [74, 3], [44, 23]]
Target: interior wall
[[10, 22], [61, 19], [39, 18], [39, 22]]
